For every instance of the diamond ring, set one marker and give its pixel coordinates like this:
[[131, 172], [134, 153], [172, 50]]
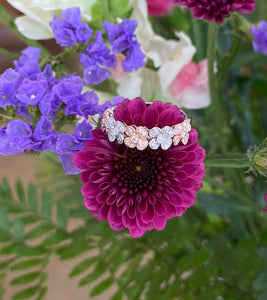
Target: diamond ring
[[141, 137]]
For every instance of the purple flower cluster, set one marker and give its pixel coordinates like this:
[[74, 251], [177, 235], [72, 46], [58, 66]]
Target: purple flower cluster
[[260, 37], [70, 30], [98, 57], [38, 96], [123, 40]]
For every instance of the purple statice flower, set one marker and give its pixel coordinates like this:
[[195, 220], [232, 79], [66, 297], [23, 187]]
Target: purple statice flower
[[9, 82], [68, 88], [67, 145], [28, 65], [217, 10], [15, 138], [260, 37], [140, 190], [123, 40], [41, 134], [30, 92], [70, 30], [96, 59]]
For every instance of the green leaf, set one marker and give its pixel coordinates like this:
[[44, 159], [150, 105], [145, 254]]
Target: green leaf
[[4, 222], [82, 266], [25, 278], [5, 264], [54, 238], [26, 264], [6, 188], [18, 227], [4, 237], [9, 249], [119, 7], [191, 260], [96, 13], [62, 215], [117, 296], [220, 205], [24, 250], [25, 294], [29, 219], [42, 293], [72, 250], [20, 191], [46, 206], [32, 197], [101, 287], [39, 230], [98, 271]]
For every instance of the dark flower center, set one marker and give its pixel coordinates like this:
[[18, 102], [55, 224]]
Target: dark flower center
[[136, 171]]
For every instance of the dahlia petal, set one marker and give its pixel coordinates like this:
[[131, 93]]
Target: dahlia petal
[[87, 190], [148, 215], [84, 176], [141, 225], [151, 116], [113, 217], [111, 199], [103, 212], [131, 212], [80, 159], [160, 222], [136, 232], [170, 117], [91, 205], [102, 197], [142, 206], [127, 222], [95, 177], [160, 208], [136, 109]]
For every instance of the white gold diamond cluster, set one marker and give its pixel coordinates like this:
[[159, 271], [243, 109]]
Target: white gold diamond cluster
[[141, 137]]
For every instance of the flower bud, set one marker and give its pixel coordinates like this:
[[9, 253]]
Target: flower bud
[[259, 158]]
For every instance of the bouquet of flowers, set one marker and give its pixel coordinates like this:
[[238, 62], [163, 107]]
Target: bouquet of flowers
[[150, 121]]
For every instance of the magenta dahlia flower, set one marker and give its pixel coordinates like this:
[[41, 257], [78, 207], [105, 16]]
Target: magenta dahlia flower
[[140, 190], [217, 10]]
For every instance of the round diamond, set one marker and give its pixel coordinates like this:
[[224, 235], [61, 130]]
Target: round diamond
[[154, 144], [168, 131], [128, 143], [112, 136], [134, 139], [154, 132], [120, 127], [142, 144], [178, 129], [161, 137], [176, 140], [141, 131], [129, 130], [166, 143], [110, 122], [120, 138]]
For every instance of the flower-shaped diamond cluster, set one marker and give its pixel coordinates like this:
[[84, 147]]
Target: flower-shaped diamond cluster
[[136, 137]]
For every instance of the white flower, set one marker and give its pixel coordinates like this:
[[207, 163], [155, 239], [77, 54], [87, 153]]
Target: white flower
[[170, 57], [39, 13]]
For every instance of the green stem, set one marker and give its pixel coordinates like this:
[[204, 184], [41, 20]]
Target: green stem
[[225, 162], [226, 61], [8, 54], [8, 20], [213, 86]]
